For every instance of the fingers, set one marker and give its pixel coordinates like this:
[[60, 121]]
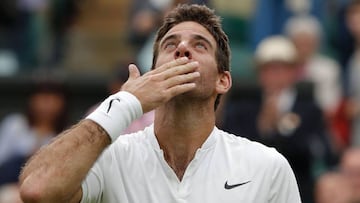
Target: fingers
[[181, 79], [179, 89], [177, 76], [160, 85], [133, 72], [173, 68], [174, 63], [179, 70]]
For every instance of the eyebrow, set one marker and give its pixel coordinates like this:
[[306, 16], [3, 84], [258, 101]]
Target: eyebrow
[[199, 37], [177, 36], [170, 37]]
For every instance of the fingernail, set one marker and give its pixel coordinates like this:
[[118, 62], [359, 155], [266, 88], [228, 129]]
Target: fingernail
[[197, 74], [183, 59], [194, 63]]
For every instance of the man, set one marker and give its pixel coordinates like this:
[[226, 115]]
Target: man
[[281, 113], [324, 72], [182, 157]]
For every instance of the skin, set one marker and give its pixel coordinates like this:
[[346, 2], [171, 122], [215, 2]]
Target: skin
[[185, 122], [350, 166], [333, 187], [275, 76], [306, 45], [46, 108], [353, 22], [181, 89]]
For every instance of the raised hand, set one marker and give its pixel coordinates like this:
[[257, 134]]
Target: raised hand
[[163, 83]]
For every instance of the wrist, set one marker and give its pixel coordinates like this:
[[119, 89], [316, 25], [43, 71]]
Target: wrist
[[116, 113]]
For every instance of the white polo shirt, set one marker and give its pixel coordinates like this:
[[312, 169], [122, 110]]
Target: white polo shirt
[[225, 169]]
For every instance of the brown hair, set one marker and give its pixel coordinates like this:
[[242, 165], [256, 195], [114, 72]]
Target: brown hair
[[208, 19]]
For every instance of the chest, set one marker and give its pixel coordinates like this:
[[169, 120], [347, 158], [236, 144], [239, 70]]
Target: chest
[[206, 179]]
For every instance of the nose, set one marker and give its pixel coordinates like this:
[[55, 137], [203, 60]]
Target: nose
[[182, 51]]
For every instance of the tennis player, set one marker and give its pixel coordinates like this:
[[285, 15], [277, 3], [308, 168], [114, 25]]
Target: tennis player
[[183, 156]]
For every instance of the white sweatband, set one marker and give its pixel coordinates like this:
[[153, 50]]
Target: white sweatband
[[116, 113]]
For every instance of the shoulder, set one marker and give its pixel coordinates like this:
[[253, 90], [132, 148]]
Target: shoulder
[[14, 124], [255, 160], [327, 66], [325, 60], [14, 119], [255, 151]]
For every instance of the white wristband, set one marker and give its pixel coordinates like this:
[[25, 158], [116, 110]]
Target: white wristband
[[116, 113]]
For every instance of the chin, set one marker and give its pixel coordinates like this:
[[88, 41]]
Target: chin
[[194, 95]]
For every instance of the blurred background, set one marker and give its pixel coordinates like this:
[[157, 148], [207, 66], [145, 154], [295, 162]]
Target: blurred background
[[59, 58]]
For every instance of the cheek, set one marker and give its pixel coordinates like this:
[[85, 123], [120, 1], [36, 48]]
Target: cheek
[[268, 77]]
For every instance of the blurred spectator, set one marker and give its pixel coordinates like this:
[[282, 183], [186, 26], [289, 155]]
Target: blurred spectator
[[324, 72], [281, 114], [27, 29], [350, 166], [270, 15], [26, 36], [22, 134], [8, 59], [236, 19], [63, 14], [353, 107], [333, 187], [341, 38], [306, 33], [144, 17]]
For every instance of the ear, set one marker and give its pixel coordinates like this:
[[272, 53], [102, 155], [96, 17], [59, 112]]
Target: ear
[[224, 82]]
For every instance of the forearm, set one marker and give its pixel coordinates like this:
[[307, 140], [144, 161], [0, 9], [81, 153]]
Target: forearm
[[55, 173]]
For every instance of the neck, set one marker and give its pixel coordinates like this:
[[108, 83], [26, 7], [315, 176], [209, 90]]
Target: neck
[[181, 129]]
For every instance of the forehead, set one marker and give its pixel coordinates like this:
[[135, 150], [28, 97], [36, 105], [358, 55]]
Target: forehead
[[190, 28]]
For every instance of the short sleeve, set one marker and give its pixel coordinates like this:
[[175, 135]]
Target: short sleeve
[[93, 185], [284, 187]]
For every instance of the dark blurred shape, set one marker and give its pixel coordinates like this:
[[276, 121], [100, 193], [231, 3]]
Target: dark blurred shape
[[63, 14], [9, 12]]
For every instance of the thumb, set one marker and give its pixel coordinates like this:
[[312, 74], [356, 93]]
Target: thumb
[[133, 72]]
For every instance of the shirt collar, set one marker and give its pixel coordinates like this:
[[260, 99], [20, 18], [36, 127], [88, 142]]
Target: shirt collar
[[209, 142]]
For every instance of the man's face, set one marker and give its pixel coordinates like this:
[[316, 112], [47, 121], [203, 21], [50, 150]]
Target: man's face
[[276, 76], [190, 39], [306, 44], [47, 105]]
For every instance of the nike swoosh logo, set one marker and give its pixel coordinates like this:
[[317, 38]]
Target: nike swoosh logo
[[228, 187], [111, 104]]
